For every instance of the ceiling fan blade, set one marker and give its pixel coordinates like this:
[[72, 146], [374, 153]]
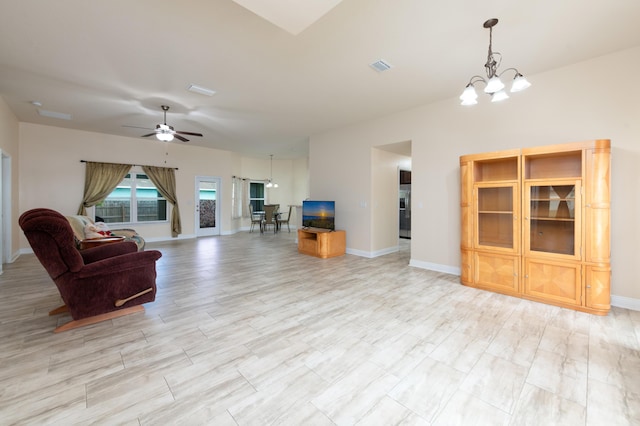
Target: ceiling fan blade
[[180, 138], [137, 127], [189, 133], [150, 134]]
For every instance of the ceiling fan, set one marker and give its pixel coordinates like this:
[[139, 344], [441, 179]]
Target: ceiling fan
[[166, 133]]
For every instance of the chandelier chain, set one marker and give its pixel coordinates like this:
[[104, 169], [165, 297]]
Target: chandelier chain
[[492, 65]]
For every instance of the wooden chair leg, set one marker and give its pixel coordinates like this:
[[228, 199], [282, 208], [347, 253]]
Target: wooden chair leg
[[98, 318], [121, 302], [59, 310]]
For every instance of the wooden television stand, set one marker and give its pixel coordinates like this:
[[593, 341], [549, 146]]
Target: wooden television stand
[[322, 242]]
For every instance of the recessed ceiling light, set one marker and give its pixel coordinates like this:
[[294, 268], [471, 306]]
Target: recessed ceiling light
[[381, 65], [53, 114], [202, 90]]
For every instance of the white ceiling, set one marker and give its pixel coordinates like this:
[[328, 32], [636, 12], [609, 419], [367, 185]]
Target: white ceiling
[[111, 64], [293, 16]]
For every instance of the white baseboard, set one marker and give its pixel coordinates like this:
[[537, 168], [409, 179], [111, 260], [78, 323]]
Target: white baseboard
[[435, 267], [372, 254], [625, 302], [161, 239]]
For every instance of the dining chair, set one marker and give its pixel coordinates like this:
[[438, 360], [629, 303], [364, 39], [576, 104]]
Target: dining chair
[[283, 220], [269, 218], [256, 218]]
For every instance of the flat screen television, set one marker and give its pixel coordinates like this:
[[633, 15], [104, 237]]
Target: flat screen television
[[319, 214]]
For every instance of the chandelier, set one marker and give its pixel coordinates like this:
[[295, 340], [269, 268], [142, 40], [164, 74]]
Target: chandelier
[[493, 85], [271, 183]]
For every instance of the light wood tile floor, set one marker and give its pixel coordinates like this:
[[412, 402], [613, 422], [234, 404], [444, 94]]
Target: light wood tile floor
[[246, 331]]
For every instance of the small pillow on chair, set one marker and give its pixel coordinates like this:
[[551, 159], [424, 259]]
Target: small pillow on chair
[[97, 230]]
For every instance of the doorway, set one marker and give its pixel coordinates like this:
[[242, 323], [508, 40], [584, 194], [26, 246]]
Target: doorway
[[207, 206], [391, 166], [405, 204]]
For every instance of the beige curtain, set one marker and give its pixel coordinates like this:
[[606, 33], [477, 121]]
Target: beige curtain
[[245, 198], [100, 180], [240, 198], [165, 180]]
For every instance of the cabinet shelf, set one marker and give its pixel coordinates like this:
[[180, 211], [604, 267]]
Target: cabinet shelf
[[554, 199], [495, 212], [494, 243], [555, 219]]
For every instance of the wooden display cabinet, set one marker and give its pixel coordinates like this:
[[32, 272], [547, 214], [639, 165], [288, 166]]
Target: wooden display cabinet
[[322, 243], [561, 240]]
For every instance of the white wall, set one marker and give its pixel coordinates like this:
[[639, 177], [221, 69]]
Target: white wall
[[9, 144], [51, 174], [585, 101]]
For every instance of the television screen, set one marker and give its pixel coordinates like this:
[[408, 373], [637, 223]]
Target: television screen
[[319, 214]]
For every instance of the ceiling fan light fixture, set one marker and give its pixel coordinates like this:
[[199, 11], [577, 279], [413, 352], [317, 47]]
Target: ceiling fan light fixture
[[164, 137], [164, 132]]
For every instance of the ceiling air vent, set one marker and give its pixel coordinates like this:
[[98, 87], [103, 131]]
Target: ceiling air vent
[[202, 90], [54, 114], [380, 65]]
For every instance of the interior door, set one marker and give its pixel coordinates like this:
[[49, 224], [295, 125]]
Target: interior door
[[207, 206]]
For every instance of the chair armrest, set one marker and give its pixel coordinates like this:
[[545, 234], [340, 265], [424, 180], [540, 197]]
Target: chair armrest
[[95, 254], [124, 232], [117, 265]]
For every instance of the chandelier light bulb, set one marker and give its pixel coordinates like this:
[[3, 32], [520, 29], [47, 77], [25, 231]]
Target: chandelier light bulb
[[498, 96], [467, 102], [469, 95], [494, 85], [519, 83]]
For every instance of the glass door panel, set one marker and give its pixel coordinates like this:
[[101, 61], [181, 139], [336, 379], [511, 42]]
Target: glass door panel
[[495, 216], [552, 210], [207, 207]]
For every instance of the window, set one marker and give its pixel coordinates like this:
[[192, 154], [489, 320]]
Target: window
[[135, 197], [256, 196]]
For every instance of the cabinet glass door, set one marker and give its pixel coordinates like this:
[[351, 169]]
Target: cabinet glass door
[[553, 218], [496, 217]]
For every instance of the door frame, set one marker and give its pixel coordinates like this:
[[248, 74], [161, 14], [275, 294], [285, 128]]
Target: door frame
[[206, 232], [5, 209]]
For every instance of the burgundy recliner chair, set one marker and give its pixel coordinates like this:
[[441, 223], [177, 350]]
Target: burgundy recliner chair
[[96, 284]]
